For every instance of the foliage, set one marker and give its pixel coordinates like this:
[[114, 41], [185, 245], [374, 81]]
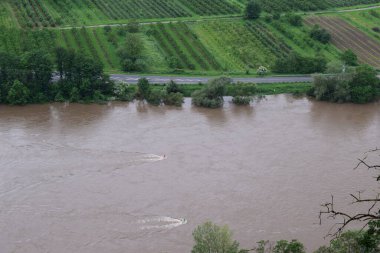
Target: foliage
[[295, 63], [294, 246], [155, 97], [320, 34], [211, 95], [143, 89], [262, 71], [252, 10], [364, 85], [241, 100], [173, 98], [131, 53], [18, 94], [350, 58], [173, 94], [210, 237], [124, 92], [333, 88], [294, 19], [353, 241]]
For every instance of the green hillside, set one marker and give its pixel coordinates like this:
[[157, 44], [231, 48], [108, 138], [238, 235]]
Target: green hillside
[[52, 13], [219, 45]]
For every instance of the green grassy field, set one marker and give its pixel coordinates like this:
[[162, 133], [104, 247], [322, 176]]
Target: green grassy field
[[229, 46], [52, 13]]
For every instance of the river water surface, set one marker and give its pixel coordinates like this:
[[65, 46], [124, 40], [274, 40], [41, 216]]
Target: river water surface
[[134, 178]]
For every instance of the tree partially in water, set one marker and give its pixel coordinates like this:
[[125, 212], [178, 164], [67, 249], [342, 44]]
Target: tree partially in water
[[211, 95]]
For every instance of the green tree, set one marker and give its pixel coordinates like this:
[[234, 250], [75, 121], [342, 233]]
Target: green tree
[[320, 34], [348, 57], [211, 95], [211, 238], [293, 246], [39, 69], [364, 85], [131, 53], [18, 94], [143, 89], [252, 10]]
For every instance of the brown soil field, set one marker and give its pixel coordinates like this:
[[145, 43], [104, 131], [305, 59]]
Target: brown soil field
[[345, 36]]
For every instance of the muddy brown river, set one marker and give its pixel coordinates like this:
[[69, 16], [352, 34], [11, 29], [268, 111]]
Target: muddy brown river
[[125, 177]]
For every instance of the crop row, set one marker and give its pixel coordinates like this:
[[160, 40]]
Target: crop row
[[345, 36], [182, 48], [32, 13], [277, 46], [209, 7], [235, 40]]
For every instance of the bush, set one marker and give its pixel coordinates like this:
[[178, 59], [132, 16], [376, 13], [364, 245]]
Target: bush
[[252, 10], [262, 71], [364, 85], [359, 87], [294, 19], [124, 92], [18, 94], [143, 89], [210, 237], [211, 96], [242, 100], [376, 29], [320, 34], [156, 97], [348, 57], [74, 95], [173, 98], [173, 87], [297, 64], [333, 88]]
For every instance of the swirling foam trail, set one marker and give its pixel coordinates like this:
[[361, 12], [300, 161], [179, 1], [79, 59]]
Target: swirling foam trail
[[162, 222]]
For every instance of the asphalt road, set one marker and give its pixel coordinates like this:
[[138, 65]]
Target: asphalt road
[[132, 79]]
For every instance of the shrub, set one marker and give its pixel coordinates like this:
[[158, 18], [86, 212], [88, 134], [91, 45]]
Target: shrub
[[294, 19], [364, 85], [18, 94], [143, 89], [252, 10], [295, 63], [376, 29], [124, 92], [349, 58], [156, 97], [242, 100], [359, 87], [262, 71], [173, 87], [210, 237], [320, 34], [211, 96], [333, 88], [74, 95], [173, 98]]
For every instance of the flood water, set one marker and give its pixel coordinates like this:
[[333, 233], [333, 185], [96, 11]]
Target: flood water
[[134, 178]]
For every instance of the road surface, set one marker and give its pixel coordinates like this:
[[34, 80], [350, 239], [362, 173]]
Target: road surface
[[132, 79]]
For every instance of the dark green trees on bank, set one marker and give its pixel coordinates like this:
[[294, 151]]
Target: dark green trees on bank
[[360, 87], [28, 78]]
